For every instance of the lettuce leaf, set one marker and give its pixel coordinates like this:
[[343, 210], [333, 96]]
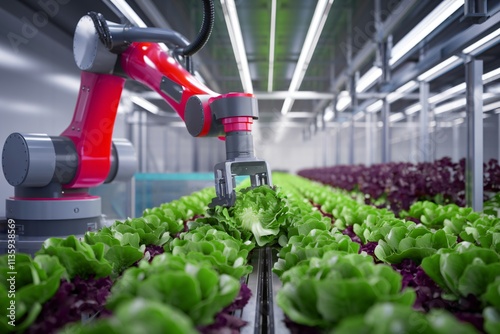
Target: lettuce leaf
[[138, 315], [225, 253], [395, 318], [415, 244], [465, 270], [260, 211], [194, 288], [314, 244], [79, 258], [322, 292], [36, 281]]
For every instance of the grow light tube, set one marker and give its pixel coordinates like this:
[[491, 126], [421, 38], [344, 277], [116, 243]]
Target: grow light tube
[[458, 104], [315, 28], [483, 44], [443, 96], [128, 12], [375, 106], [440, 68], [491, 106], [343, 101], [272, 42], [396, 117], [424, 28], [357, 116], [234, 31], [368, 79], [394, 96], [143, 103], [329, 113]]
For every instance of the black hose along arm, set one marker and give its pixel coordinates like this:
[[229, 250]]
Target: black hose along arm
[[204, 33], [116, 38]]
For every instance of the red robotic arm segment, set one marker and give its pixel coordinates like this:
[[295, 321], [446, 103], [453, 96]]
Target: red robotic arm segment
[[155, 68], [91, 128], [149, 64]]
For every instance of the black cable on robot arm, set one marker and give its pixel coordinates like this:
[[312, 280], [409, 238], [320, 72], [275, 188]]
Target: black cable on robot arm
[[117, 37], [114, 38], [102, 28], [204, 33]]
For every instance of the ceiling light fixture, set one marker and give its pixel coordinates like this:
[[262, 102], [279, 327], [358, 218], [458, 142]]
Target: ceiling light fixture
[[484, 43], [396, 117], [444, 10], [491, 76], [272, 42], [128, 12], [234, 30], [375, 106], [412, 109], [453, 105], [394, 96], [491, 106], [143, 103], [312, 37], [457, 104], [400, 92], [455, 90], [450, 92], [359, 115], [440, 68], [368, 79], [329, 113], [343, 101]]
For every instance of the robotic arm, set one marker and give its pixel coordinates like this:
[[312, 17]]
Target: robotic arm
[[51, 175], [126, 51]]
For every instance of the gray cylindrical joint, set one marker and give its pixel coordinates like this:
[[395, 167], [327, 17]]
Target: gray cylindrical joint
[[28, 160], [239, 145], [194, 117], [89, 52], [123, 161], [66, 159]]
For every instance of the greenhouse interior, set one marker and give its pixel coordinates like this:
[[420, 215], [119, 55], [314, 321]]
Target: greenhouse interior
[[237, 166]]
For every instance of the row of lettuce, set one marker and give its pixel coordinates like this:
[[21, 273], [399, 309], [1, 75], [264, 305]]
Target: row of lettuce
[[397, 185], [359, 269], [140, 275], [345, 266]]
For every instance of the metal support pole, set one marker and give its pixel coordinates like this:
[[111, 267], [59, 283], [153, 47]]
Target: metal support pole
[[386, 143], [369, 138], [352, 85], [474, 109], [455, 137], [338, 155], [385, 51], [383, 55], [411, 130], [354, 105], [141, 142], [424, 122], [129, 185], [325, 148]]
